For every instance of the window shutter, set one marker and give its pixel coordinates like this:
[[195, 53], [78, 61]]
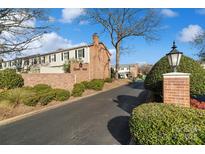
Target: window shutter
[[62, 56], [54, 56], [83, 53], [68, 55], [76, 54]]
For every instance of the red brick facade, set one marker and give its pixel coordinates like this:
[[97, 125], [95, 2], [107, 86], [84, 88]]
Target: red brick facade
[[99, 60], [176, 89]]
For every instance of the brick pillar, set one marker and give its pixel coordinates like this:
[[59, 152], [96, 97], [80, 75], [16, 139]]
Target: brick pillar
[[176, 89]]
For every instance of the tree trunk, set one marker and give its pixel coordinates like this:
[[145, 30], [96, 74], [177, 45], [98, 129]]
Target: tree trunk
[[117, 67]]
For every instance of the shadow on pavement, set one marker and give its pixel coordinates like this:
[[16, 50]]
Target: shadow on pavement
[[119, 129], [127, 102], [119, 126], [136, 85]]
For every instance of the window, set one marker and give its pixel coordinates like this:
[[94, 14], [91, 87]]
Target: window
[[35, 61], [53, 58], [39, 60], [49, 58], [26, 62], [9, 63], [43, 59], [66, 55], [19, 62], [5, 64], [81, 53]]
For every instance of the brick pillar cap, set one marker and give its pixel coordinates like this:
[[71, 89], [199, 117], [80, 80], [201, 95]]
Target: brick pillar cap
[[176, 74]]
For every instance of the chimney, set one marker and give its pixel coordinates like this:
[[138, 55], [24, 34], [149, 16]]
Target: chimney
[[95, 39]]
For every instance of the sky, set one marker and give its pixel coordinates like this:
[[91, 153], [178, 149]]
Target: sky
[[181, 25]]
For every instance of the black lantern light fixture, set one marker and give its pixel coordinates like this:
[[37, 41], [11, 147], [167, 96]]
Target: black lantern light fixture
[[174, 57]]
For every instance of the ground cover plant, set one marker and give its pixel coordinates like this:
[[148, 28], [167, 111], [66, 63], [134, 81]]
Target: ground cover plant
[[31, 96]]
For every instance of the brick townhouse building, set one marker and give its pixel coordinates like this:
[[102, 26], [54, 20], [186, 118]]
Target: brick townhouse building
[[96, 55]]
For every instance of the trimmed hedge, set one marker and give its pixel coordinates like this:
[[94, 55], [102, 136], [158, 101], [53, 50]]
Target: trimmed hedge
[[78, 89], [96, 84], [46, 97], [86, 84], [9, 79], [31, 101], [61, 94], [156, 123], [42, 88], [154, 79]]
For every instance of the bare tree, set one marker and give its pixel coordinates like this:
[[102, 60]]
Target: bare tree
[[124, 23], [199, 43], [20, 27]]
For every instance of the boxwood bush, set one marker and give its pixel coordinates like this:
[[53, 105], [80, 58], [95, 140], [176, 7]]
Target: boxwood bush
[[154, 79], [86, 84], [78, 89], [10, 79], [96, 84], [31, 101], [42, 88], [47, 97], [61, 94], [157, 123]]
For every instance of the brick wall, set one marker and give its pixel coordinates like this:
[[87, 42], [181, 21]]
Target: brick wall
[[80, 73], [55, 80], [59, 80], [176, 89]]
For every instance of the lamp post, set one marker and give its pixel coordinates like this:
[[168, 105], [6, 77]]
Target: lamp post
[[174, 57]]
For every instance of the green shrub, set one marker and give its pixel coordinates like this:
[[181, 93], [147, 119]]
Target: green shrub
[[154, 79], [47, 97], [86, 84], [157, 123], [40, 88], [66, 67], [61, 94], [10, 79], [78, 89], [31, 101], [16, 96], [109, 80], [96, 84]]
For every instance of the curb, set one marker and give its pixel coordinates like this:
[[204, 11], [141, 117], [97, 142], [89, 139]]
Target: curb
[[29, 114]]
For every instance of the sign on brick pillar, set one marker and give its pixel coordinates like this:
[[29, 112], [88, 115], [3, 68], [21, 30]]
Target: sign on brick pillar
[[176, 89]]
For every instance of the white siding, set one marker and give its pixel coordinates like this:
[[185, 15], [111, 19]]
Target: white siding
[[53, 66]]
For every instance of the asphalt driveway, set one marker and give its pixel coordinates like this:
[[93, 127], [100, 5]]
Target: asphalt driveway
[[99, 119]]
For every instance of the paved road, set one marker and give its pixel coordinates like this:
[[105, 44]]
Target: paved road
[[99, 119]]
